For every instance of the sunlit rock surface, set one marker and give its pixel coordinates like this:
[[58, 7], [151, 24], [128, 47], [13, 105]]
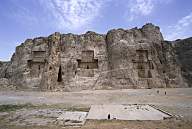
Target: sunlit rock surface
[[135, 58]]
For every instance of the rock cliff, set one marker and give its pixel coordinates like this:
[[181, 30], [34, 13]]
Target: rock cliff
[[135, 58], [183, 51]]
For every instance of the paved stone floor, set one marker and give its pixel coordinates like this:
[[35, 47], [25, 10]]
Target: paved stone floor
[[125, 112]]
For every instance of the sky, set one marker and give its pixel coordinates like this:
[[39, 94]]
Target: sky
[[24, 19]]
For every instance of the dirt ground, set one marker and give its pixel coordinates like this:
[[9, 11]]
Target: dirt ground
[[168, 124], [40, 109]]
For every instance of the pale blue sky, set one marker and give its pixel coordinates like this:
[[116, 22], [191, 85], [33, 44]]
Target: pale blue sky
[[22, 19]]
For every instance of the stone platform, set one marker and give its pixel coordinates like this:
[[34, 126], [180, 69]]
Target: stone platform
[[72, 118], [126, 112]]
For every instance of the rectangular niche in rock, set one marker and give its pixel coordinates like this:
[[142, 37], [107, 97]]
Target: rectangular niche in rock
[[144, 73], [39, 56], [37, 63], [142, 55], [87, 64], [36, 68], [87, 60]]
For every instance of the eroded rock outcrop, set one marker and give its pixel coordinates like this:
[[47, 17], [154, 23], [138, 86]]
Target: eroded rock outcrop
[[183, 50], [135, 58]]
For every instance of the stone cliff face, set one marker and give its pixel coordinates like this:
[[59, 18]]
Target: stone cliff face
[[183, 50], [135, 58]]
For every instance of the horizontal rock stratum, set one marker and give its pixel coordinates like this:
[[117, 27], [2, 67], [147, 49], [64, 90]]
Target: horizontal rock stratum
[[120, 59]]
